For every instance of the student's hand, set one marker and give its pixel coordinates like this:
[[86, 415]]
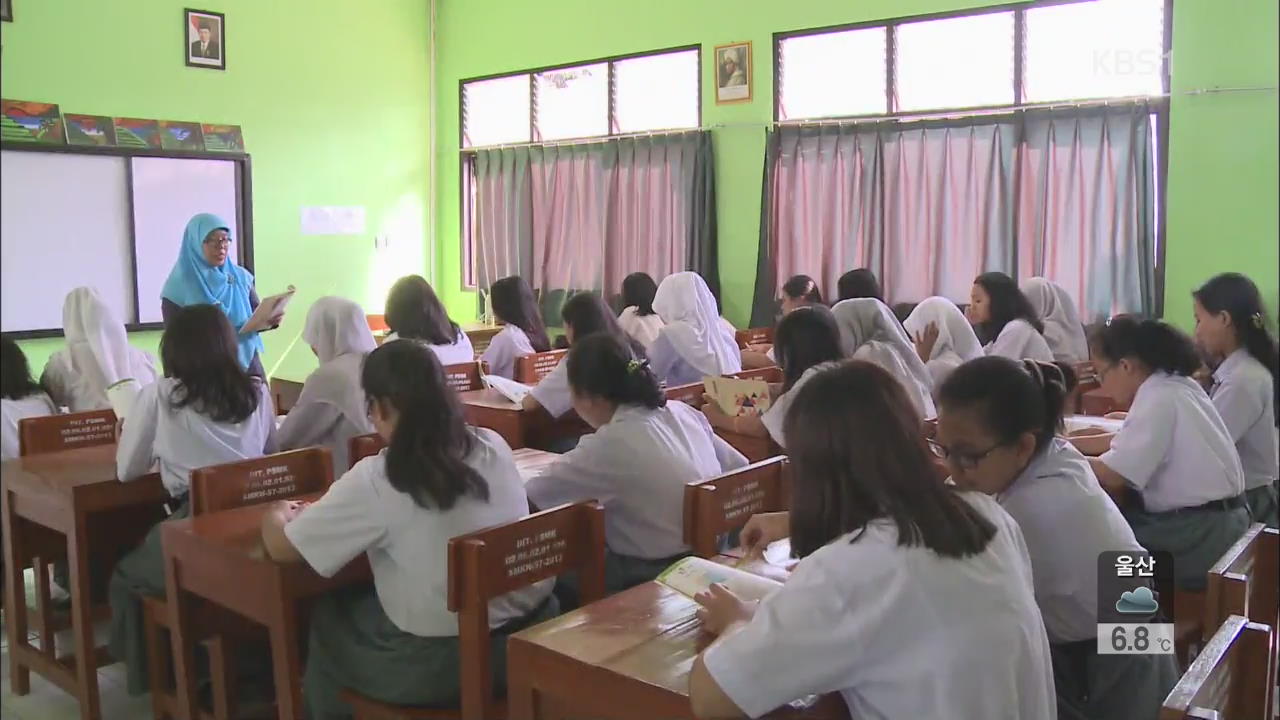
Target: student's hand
[[286, 510], [275, 320], [763, 529], [925, 341], [1118, 415], [721, 608]]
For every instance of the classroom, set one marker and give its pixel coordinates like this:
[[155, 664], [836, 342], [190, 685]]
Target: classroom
[[640, 359]]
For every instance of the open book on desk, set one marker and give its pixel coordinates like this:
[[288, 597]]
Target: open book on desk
[[739, 397], [509, 389], [692, 575], [268, 308]]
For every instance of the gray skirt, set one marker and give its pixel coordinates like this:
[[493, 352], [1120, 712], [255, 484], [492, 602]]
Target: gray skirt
[[1195, 538], [1109, 687], [139, 573], [353, 644], [1262, 504]]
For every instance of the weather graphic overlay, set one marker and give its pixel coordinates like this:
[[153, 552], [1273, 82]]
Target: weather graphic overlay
[[1135, 603]]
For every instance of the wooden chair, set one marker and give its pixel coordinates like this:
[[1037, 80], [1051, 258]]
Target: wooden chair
[[725, 503], [52, 433], [769, 374], [532, 368], [285, 394], [754, 336], [362, 446], [1245, 581], [690, 394], [487, 564], [1231, 679], [464, 377], [223, 487]]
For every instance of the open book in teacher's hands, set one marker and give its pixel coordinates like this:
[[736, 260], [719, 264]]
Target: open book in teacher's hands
[[268, 313]]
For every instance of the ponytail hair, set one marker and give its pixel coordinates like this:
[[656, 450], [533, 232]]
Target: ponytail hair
[[587, 314], [805, 337], [803, 287], [1011, 397], [514, 304], [1237, 296], [427, 451], [638, 290], [601, 365], [1156, 344]]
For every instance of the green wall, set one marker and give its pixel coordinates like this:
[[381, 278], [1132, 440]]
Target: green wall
[[333, 98], [1223, 169]]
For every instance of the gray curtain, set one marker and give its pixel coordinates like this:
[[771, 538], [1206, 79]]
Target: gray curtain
[[1068, 195], [583, 216]]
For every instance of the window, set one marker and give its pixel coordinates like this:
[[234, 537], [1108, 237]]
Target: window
[[809, 62], [657, 91], [1077, 50], [957, 62]]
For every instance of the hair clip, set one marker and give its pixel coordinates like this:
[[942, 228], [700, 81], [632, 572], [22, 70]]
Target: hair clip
[[1257, 320], [635, 365]]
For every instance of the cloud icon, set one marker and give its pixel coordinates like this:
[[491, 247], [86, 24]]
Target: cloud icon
[[1139, 601]]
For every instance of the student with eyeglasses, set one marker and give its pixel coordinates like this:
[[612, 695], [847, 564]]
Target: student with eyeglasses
[[998, 425]]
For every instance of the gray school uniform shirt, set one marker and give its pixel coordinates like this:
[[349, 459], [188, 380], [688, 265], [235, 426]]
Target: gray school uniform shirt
[[637, 466], [1244, 395], [1067, 519], [407, 544]]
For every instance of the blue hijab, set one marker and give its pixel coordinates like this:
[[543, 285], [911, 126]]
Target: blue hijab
[[193, 281]]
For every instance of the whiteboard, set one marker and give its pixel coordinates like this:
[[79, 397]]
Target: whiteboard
[[64, 223], [167, 192]]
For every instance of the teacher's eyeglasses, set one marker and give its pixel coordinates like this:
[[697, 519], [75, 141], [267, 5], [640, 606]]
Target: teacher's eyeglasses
[[218, 242]]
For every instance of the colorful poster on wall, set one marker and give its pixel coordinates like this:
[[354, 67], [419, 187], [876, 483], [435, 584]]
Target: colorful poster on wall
[[26, 121], [98, 130], [181, 135], [223, 138], [137, 132]]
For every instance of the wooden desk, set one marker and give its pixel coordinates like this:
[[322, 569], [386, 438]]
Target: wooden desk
[[480, 335], [70, 501], [531, 462], [519, 427], [202, 556], [284, 394], [755, 448], [626, 657]]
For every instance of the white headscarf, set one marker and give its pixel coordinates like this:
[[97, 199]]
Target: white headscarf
[[1062, 328], [869, 331], [98, 350], [339, 331], [693, 325], [957, 343]]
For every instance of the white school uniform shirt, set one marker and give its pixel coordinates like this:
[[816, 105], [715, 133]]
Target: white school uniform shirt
[[1244, 395], [643, 329], [956, 345], [37, 404], [97, 355], [460, 351], [1174, 448], [775, 417], [509, 344], [1063, 331], [407, 544], [1066, 519], [1020, 341], [184, 440], [637, 466], [899, 631], [552, 391], [331, 408]]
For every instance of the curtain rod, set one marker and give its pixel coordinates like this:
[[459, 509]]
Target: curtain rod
[[925, 115]]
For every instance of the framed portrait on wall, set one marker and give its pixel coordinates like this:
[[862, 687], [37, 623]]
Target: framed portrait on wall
[[733, 73], [6, 10], [204, 39]]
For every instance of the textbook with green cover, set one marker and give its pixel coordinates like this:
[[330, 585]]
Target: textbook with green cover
[[739, 397], [692, 575]]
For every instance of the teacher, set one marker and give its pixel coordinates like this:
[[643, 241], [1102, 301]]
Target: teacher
[[204, 274]]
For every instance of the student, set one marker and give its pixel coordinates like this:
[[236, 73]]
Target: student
[[807, 342], [1004, 321], [638, 318], [1063, 331], [868, 331], [414, 312], [944, 340], [583, 315], [1231, 326], [695, 343], [998, 421], [97, 355], [860, 283], [397, 641], [637, 463], [900, 580], [1173, 448], [20, 397], [522, 330], [331, 409], [799, 291], [207, 410]]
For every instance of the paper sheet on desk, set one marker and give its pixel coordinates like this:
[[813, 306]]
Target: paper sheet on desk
[[510, 389], [1080, 422]]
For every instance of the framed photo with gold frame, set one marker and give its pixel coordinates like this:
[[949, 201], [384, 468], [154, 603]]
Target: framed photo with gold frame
[[733, 73]]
